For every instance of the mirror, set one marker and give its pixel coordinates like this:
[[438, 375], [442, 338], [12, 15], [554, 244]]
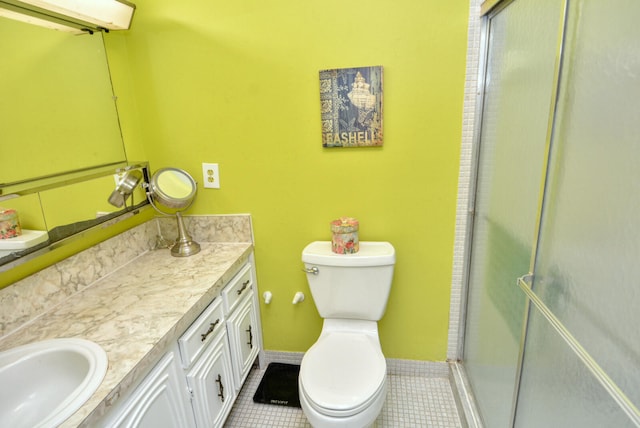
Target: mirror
[[60, 135], [63, 212], [57, 112], [175, 189]]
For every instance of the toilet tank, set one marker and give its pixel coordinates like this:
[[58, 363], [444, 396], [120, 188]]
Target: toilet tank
[[353, 286]]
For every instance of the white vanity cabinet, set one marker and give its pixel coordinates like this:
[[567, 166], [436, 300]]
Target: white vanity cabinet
[[211, 383], [207, 363], [243, 323], [160, 401], [197, 381]]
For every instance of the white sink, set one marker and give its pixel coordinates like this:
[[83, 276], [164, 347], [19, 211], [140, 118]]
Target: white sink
[[43, 383]]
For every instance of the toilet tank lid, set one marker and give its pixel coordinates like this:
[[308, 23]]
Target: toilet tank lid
[[370, 254]]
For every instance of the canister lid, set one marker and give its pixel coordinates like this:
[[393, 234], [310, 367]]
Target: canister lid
[[344, 225], [7, 212]]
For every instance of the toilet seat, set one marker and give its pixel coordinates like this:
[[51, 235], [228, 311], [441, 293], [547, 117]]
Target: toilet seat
[[348, 412], [343, 373]]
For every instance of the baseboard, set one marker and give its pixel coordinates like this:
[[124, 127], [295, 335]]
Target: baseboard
[[395, 367]]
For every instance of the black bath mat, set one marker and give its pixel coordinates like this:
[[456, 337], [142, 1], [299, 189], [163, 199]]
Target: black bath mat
[[279, 385]]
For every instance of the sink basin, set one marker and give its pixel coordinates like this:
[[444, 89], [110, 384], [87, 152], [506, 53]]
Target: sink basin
[[43, 383]]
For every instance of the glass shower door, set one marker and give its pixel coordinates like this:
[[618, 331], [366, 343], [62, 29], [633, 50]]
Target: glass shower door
[[518, 88], [588, 264]]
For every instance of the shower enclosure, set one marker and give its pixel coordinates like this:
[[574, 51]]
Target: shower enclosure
[[552, 336]]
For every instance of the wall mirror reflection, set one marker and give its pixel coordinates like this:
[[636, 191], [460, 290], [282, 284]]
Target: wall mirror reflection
[[51, 216], [58, 111], [61, 136]]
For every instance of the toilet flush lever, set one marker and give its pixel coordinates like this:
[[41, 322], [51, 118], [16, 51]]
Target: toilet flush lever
[[314, 270]]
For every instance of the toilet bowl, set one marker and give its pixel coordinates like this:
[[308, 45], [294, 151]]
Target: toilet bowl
[[343, 376]]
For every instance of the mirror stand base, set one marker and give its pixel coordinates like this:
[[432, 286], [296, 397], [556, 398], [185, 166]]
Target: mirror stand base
[[185, 249], [184, 246]]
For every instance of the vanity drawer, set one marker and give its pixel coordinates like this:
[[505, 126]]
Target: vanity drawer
[[208, 325], [238, 288]]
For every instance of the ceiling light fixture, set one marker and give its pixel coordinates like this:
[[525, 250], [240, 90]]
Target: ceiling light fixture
[[74, 16]]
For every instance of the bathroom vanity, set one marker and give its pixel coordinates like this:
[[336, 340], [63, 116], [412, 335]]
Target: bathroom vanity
[[181, 334], [198, 377]]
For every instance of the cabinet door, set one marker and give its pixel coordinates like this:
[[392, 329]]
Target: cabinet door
[[161, 400], [211, 383], [244, 338]]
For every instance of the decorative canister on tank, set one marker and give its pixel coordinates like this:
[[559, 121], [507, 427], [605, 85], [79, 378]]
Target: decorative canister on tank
[[9, 224], [345, 236]]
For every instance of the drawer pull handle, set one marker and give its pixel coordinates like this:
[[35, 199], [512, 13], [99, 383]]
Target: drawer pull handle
[[244, 286], [211, 327], [250, 342], [220, 388]]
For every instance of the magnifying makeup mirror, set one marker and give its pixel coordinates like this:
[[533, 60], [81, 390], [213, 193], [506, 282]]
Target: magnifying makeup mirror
[[174, 189]]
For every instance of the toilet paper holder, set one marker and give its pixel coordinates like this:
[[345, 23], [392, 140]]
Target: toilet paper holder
[[299, 297], [267, 297]]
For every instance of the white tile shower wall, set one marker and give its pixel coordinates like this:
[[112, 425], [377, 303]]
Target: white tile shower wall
[[465, 186]]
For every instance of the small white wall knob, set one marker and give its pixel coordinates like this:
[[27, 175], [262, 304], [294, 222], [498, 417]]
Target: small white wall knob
[[267, 297], [299, 297]]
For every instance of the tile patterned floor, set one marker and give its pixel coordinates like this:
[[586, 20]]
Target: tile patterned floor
[[411, 402]]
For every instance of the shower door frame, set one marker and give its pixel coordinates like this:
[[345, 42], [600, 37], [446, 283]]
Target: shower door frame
[[489, 9]]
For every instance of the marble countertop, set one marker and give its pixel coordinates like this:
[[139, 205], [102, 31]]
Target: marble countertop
[[135, 313]]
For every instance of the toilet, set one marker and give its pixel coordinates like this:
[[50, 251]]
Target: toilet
[[343, 376]]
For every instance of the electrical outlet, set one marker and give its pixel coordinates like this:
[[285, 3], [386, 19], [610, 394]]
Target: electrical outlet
[[211, 175]]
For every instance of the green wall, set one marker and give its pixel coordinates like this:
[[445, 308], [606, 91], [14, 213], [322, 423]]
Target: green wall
[[237, 83]]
